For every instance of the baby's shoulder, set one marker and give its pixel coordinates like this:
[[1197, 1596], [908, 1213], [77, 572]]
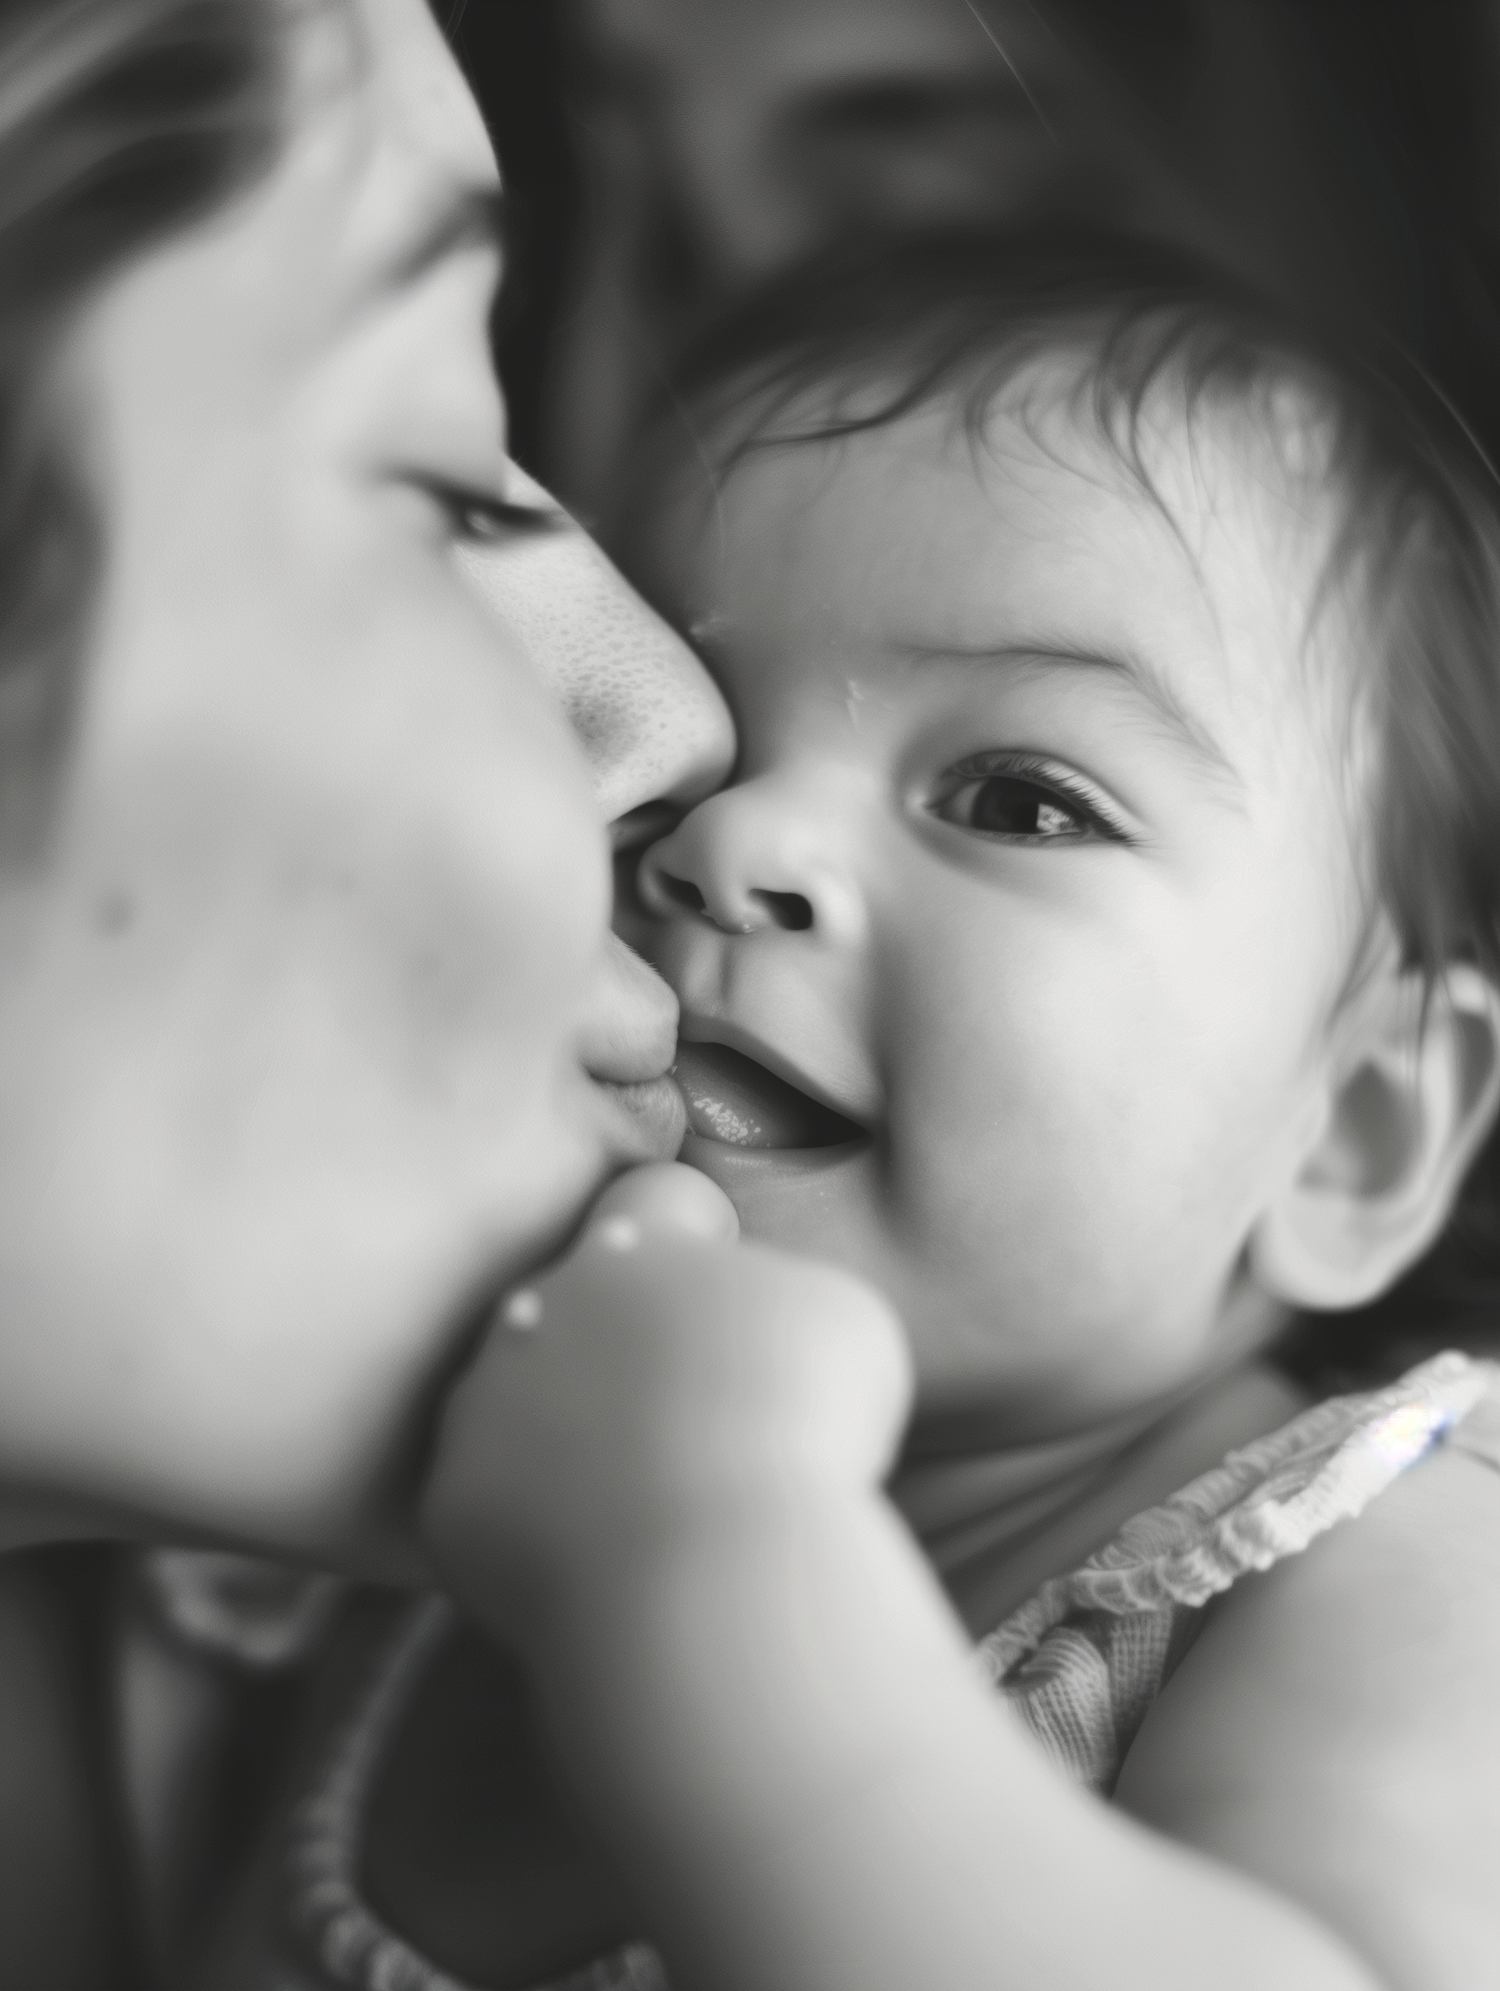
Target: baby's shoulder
[[1415, 1579], [1405, 1598], [1335, 1725], [1393, 1621]]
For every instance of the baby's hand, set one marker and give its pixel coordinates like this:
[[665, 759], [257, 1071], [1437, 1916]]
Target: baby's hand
[[662, 1391]]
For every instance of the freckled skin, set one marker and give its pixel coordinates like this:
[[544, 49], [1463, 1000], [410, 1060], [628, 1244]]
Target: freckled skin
[[647, 717]]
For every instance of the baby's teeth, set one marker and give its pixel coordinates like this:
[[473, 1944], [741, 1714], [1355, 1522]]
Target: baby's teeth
[[722, 1122]]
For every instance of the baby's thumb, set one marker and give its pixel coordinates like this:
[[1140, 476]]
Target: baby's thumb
[[662, 1200]]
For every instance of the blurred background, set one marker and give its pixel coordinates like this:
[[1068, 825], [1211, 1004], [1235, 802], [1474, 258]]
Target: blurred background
[[666, 154]]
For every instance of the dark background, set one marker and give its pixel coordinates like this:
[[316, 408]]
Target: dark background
[[512, 51]]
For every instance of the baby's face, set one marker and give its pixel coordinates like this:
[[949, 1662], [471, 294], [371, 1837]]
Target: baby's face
[[1036, 869]]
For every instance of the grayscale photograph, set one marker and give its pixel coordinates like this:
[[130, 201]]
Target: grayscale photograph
[[750, 995]]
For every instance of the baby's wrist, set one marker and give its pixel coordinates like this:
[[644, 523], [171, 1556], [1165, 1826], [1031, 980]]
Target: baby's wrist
[[715, 1557], [746, 1671]]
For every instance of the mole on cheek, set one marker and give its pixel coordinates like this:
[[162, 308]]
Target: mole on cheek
[[114, 913]]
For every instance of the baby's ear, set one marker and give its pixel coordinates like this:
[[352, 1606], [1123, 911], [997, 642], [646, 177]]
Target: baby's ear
[[1410, 1102]]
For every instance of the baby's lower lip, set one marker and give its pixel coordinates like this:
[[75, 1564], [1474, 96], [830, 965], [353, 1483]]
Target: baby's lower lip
[[736, 1101]]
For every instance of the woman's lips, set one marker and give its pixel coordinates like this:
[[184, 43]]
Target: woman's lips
[[648, 1116], [734, 1100]]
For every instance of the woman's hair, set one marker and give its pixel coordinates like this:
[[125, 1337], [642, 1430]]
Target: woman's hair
[[848, 345], [120, 122]]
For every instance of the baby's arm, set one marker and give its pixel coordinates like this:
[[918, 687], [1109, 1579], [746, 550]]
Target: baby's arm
[[665, 1492], [1336, 1730]]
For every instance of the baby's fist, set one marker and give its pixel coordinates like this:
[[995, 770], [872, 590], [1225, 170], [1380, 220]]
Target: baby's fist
[[660, 1390]]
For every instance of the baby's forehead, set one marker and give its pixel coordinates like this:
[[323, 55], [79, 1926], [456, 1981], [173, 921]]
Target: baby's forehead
[[1240, 487], [1249, 486], [1192, 554], [1196, 530]]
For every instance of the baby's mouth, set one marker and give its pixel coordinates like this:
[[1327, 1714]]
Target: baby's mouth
[[733, 1099]]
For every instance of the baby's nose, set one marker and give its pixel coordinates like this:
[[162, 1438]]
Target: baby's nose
[[741, 861], [735, 912]]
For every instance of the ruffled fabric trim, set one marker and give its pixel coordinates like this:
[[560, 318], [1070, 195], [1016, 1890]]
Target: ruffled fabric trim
[[258, 1615], [1266, 1501], [353, 1946], [1082, 1661]]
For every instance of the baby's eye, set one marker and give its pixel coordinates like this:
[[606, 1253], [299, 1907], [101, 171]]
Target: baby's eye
[[1024, 802], [1006, 805]]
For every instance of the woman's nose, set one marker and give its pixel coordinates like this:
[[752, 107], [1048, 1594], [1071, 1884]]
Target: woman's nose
[[648, 716], [748, 861]]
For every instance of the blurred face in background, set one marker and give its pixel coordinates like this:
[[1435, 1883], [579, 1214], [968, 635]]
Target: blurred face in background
[[781, 127], [727, 141]]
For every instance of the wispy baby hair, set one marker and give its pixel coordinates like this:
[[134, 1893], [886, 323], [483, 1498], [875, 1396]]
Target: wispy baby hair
[[842, 346], [850, 344]]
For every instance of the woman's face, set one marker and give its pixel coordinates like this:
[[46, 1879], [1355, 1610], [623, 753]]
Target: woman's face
[[311, 1030]]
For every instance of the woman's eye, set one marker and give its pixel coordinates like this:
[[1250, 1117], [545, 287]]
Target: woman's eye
[[490, 518], [1024, 807], [484, 517]]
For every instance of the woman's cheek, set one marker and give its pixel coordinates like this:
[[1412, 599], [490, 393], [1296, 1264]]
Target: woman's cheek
[[647, 717]]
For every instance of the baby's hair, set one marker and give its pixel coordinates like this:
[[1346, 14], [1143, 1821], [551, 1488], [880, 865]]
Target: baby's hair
[[845, 345]]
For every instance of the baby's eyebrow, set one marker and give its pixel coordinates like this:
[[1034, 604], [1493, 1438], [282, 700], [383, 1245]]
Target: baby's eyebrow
[[1184, 726]]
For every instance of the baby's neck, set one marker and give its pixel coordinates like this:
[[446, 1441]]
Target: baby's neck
[[997, 1524]]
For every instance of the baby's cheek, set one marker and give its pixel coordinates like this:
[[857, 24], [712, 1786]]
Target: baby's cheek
[[1053, 1178]]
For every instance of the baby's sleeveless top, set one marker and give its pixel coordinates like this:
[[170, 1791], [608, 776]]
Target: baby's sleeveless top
[[1081, 1662]]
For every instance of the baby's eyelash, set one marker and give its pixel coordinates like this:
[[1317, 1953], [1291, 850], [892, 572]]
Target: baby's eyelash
[[1081, 798]]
